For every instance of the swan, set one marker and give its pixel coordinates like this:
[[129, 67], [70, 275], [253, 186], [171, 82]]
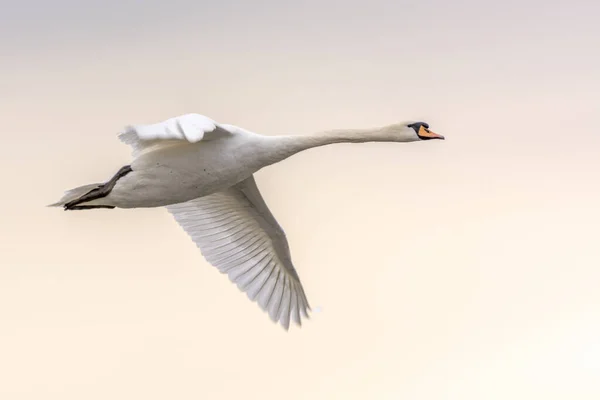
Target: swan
[[202, 171]]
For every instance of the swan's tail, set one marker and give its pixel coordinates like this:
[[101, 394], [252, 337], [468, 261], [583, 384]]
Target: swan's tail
[[88, 196], [75, 194]]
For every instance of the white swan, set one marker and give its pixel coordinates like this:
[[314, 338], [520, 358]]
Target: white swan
[[202, 171]]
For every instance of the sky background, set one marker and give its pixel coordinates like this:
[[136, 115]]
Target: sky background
[[464, 269]]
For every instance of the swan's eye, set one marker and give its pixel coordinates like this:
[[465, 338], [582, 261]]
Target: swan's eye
[[418, 126]]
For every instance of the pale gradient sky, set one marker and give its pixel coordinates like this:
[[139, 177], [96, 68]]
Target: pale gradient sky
[[464, 269]]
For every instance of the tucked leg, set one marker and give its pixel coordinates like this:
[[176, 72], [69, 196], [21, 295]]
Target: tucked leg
[[99, 192]]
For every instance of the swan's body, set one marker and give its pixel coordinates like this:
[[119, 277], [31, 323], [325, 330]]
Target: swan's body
[[202, 171]]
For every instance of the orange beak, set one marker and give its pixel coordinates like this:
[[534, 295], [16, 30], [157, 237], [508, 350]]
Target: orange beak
[[424, 132]]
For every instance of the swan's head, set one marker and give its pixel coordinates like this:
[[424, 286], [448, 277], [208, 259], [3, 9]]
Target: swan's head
[[413, 132], [422, 131]]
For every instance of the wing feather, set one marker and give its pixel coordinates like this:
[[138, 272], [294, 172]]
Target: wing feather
[[186, 128], [237, 234]]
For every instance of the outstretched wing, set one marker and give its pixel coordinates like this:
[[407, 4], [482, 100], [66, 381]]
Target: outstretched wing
[[187, 128], [236, 233]]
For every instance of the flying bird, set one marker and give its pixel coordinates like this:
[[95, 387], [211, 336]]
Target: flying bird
[[202, 171]]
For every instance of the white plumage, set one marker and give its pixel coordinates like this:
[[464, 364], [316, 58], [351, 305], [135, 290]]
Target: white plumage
[[236, 233], [202, 172], [190, 128]]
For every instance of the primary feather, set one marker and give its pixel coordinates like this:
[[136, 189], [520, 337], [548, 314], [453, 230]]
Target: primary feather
[[236, 233]]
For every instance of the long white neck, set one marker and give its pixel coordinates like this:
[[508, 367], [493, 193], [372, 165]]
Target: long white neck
[[279, 148]]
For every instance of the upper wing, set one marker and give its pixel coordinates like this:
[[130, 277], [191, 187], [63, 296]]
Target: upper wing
[[189, 128], [236, 232]]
